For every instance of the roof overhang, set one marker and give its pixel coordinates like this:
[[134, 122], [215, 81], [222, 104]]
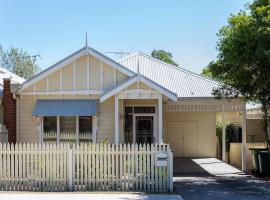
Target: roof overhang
[[134, 79]]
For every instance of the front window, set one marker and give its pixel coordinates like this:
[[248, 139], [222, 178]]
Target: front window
[[71, 129]]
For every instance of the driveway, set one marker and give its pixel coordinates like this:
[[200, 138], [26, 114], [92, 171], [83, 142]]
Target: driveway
[[206, 179]]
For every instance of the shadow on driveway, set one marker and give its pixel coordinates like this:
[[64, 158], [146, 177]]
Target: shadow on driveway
[[227, 183]]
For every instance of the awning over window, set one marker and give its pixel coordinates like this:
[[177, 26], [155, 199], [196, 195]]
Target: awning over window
[[66, 107]]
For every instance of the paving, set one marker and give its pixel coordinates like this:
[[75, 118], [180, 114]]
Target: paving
[[86, 196], [204, 179]]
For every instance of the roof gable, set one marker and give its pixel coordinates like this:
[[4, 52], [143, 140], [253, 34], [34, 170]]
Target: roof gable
[[69, 59], [180, 81], [138, 78]]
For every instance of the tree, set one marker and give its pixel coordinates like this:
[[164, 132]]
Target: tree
[[164, 56], [19, 62], [243, 62]]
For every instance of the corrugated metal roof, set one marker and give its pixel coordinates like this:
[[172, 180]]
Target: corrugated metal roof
[[178, 80], [66, 107]]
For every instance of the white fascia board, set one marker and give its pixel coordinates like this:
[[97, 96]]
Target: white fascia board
[[117, 89], [159, 88]]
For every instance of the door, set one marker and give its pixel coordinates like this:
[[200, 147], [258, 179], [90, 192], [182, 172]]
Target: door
[[183, 138], [144, 129], [176, 138]]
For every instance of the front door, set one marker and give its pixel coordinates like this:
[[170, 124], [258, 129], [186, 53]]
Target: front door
[[144, 128]]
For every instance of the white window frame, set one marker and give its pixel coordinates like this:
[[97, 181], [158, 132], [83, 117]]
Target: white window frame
[[94, 129]]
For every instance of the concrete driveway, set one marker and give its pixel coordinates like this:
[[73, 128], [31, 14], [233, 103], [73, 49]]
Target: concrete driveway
[[212, 179]]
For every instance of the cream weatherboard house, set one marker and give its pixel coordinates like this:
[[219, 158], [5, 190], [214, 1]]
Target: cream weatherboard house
[[88, 97]]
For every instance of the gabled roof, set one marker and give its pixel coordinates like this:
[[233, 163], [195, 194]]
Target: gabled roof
[[107, 94], [81, 52], [180, 81]]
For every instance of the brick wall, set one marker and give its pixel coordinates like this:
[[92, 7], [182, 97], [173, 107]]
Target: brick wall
[[9, 105]]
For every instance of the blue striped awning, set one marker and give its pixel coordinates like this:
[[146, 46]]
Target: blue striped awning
[[66, 107]]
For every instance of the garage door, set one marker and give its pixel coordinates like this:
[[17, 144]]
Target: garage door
[[183, 138]]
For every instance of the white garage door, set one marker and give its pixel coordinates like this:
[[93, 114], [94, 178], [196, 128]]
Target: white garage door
[[183, 138]]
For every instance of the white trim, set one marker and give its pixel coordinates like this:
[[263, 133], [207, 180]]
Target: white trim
[[116, 120], [58, 129], [42, 130], [117, 89], [65, 92], [94, 129], [160, 120], [163, 91], [133, 80], [138, 94]]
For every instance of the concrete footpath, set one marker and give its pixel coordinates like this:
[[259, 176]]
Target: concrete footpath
[[85, 196]]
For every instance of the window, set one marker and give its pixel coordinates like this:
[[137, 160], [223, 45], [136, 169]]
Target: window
[[67, 126], [50, 124], [85, 124], [50, 128]]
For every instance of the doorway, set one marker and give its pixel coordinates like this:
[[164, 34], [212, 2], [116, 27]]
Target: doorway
[[140, 124]]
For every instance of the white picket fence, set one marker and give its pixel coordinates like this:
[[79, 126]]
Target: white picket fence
[[86, 167]]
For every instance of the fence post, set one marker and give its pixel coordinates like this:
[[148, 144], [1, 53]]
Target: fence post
[[170, 170], [70, 169]]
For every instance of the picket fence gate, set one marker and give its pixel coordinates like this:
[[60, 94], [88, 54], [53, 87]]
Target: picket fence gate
[[86, 167]]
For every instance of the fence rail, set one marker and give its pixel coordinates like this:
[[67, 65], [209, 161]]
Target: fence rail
[[85, 167]]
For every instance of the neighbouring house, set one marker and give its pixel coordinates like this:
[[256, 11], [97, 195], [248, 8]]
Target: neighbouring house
[[88, 97], [6, 78]]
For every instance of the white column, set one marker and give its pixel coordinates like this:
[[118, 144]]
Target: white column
[[94, 128], [40, 128], [160, 121], [58, 129], [77, 129], [223, 136], [116, 120], [244, 139]]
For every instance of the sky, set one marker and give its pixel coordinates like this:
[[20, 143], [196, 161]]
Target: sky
[[56, 28]]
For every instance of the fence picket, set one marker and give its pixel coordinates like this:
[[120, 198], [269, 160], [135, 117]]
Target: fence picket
[[110, 167]]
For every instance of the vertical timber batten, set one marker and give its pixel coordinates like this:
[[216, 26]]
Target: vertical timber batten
[[116, 119], [160, 121]]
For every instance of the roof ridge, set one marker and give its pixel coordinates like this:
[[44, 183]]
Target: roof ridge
[[178, 68]]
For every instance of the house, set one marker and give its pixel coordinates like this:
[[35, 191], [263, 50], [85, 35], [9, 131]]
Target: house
[[88, 97], [14, 79]]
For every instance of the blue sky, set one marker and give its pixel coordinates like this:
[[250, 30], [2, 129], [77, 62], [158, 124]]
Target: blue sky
[[55, 29]]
